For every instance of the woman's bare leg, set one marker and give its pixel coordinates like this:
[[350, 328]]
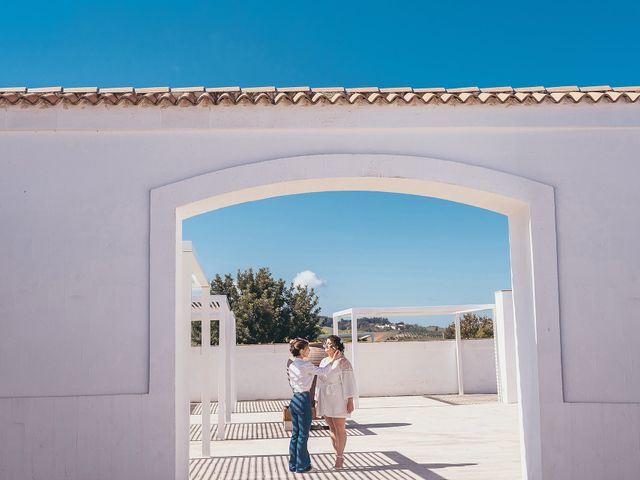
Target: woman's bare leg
[[341, 439], [332, 432]]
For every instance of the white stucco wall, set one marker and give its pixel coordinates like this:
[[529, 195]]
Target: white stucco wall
[[79, 399], [406, 368]]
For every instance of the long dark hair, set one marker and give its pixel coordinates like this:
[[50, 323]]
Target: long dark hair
[[337, 342], [297, 345]]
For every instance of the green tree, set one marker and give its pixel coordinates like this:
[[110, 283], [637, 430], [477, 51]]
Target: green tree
[[304, 313], [471, 326], [266, 309]]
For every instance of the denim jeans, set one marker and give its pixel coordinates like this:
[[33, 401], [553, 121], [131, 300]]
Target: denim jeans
[[300, 408]]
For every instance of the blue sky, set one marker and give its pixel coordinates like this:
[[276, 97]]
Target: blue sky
[[449, 253], [367, 248], [285, 43]]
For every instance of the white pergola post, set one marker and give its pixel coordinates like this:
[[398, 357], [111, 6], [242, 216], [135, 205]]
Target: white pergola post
[[504, 332], [336, 318], [205, 350], [227, 317], [354, 347], [232, 364], [496, 359], [459, 355], [222, 375]]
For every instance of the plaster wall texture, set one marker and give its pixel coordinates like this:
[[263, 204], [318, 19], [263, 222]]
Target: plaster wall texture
[[385, 369], [81, 401], [506, 347]]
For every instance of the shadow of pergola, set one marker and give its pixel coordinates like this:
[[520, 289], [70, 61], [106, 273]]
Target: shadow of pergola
[[273, 430], [244, 406], [379, 465]]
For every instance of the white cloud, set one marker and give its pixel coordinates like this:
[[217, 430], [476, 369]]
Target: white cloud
[[308, 279]]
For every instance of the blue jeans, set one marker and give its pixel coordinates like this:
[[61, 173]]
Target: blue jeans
[[300, 408]]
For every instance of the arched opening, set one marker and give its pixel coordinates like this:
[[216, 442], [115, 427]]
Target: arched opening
[[529, 206]]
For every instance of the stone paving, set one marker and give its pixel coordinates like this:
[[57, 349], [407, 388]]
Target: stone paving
[[389, 438]]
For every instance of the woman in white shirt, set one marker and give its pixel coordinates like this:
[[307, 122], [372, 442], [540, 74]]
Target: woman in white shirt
[[337, 387], [301, 373]]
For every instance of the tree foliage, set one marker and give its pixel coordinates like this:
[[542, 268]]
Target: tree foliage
[[471, 326], [267, 310]]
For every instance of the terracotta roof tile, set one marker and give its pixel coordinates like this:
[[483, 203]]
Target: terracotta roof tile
[[116, 90], [329, 89], [430, 90], [165, 96], [188, 89], [45, 90], [259, 90], [362, 90], [396, 90], [153, 90], [498, 89], [13, 90], [600, 88], [530, 89], [626, 89], [562, 89], [223, 89], [81, 90], [463, 90], [293, 89]]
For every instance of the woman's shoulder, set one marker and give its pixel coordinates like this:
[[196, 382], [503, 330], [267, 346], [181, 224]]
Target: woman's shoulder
[[344, 364], [299, 362]]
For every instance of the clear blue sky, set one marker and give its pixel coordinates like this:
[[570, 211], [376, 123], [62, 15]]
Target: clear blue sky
[[447, 253], [330, 43], [369, 248]]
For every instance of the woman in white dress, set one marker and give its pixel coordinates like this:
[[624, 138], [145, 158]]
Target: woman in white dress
[[301, 372], [335, 391]]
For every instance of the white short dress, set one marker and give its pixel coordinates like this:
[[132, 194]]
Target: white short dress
[[334, 388]]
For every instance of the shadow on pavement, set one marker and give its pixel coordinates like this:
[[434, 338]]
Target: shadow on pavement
[[381, 465]]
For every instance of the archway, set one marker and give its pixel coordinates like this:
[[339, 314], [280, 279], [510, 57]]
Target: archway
[[530, 209]]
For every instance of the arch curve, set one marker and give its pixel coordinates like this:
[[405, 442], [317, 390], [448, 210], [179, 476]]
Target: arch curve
[[460, 182], [529, 205]]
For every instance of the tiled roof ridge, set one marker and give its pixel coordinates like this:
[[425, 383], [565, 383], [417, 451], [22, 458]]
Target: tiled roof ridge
[[166, 96]]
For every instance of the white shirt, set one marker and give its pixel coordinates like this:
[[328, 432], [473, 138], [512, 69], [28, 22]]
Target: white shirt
[[301, 373]]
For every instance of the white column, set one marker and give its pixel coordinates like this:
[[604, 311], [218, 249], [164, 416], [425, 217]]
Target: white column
[[234, 384], [354, 347], [222, 375], [335, 324], [506, 346], [496, 358], [230, 343], [183, 344], [205, 351], [459, 356]]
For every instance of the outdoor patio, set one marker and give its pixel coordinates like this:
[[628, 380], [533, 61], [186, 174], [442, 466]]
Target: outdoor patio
[[411, 437]]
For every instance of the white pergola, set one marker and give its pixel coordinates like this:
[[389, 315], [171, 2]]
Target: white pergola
[[204, 308], [454, 310]]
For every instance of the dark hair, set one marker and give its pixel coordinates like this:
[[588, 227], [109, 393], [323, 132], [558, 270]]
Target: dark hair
[[297, 345], [337, 342]]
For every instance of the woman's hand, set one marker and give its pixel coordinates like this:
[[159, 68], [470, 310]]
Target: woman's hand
[[349, 405]]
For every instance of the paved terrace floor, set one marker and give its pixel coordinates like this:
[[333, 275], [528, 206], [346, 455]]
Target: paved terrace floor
[[388, 438]]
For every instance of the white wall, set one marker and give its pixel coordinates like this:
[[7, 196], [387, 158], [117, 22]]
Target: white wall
[[506, 347], [81, 401], [384, 369], [479, 366]]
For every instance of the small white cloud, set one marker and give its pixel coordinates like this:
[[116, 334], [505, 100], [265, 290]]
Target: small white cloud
[[308, 279]]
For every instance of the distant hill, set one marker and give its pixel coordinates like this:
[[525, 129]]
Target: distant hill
[[380, 329]]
